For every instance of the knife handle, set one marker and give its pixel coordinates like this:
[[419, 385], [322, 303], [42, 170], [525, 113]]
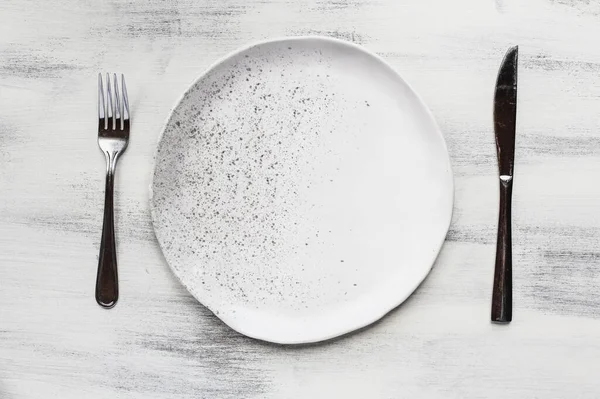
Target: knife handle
[[502, 291]]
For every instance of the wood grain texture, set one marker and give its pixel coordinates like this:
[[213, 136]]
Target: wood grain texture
[[55, 342]]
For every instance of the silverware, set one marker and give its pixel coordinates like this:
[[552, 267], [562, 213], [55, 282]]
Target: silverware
[[505, 113], [113, 135]]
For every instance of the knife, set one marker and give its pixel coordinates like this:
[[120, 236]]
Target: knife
[[505, 113]]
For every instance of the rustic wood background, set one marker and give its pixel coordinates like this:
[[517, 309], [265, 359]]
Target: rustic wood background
[[158, 342]]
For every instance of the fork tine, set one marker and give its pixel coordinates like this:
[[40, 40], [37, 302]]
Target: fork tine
[[125, 103], [101, 111], [109, 107], [117, 107]]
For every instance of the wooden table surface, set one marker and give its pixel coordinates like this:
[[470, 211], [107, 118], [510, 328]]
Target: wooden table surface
[[158, 342]]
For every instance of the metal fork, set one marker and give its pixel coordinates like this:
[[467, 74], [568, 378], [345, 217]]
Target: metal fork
[[113, 135]]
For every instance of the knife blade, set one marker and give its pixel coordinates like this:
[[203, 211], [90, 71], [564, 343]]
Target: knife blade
[[505, 115]]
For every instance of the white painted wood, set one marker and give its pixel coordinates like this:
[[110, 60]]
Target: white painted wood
[[55, 342]]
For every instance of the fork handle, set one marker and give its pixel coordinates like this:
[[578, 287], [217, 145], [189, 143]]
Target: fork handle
[[107, 282], [502, 291]]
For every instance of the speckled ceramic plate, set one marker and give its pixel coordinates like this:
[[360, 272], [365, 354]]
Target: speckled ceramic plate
[[301, 190]]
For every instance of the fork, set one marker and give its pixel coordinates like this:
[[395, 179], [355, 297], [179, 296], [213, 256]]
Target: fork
[[113, 135]]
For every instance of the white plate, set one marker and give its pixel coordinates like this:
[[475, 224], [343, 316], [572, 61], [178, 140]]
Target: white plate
[[301, 190]]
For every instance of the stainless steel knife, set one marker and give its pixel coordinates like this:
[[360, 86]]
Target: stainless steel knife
[[505, 113]]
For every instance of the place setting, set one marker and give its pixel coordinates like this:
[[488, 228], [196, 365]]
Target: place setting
[[301, 189], [299, 200]]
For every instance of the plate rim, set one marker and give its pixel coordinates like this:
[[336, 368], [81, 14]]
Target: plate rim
[[355, 326]]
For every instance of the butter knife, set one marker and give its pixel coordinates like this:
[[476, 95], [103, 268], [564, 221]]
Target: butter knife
[[505, 113]]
